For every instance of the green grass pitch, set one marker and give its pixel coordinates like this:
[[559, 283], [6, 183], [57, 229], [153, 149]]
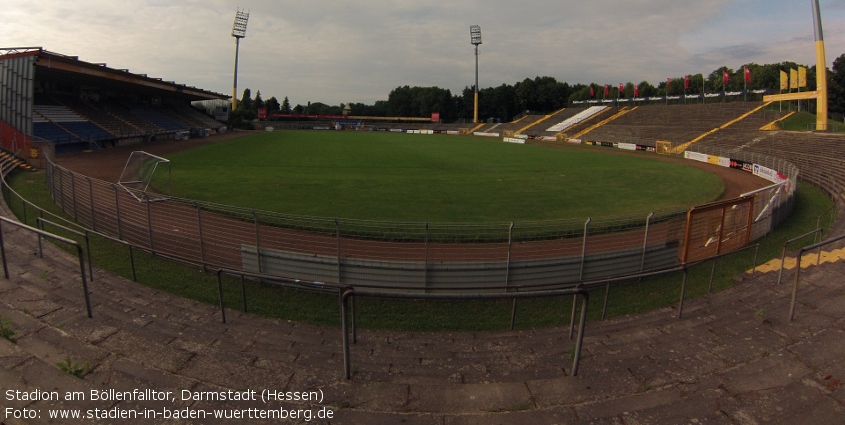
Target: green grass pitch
[[434, 178]]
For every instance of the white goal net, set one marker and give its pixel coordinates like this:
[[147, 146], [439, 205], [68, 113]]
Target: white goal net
[[146, 176]]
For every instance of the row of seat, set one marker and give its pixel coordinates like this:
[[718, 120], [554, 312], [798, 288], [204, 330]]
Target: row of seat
[[75, 124]]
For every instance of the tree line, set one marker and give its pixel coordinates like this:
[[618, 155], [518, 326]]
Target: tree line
[[546, 94]]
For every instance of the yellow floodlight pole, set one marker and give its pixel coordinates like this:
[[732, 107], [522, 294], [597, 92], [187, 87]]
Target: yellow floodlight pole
[[821, 70]]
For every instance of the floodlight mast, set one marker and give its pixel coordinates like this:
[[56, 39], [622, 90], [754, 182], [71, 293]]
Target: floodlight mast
[[821, 70], [239, 32], [475, 40]]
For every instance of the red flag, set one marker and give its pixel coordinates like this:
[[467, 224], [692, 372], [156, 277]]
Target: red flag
[[636, 91], [726, 76], [686, 82], [621, 89], [747, 75], [668, 84], [606, 90], [592, 92]]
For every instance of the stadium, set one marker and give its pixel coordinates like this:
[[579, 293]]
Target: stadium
[[104, 138]]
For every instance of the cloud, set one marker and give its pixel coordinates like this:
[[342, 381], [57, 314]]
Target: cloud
[[338, 52]]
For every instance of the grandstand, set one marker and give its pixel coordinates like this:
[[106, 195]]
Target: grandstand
[[645, 125], [642, 125], [76, 105]]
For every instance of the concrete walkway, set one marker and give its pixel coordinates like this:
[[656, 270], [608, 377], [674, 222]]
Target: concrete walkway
[[732, 359]]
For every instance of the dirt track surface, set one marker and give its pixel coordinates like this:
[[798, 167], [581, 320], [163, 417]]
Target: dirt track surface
[[107, 164]]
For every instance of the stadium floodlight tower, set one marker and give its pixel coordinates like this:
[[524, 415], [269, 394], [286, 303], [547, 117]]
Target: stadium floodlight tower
[[475, 40], [239, 32], [821, 69]]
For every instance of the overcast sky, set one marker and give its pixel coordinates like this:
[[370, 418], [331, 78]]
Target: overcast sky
[[358, 51]]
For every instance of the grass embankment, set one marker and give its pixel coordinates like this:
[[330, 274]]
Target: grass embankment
[[805, 121]]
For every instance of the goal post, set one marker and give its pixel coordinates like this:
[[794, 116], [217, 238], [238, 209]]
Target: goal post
[[663, 147], [146, 176]]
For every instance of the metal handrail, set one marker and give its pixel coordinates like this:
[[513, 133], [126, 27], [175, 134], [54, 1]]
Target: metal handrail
[[797, 238], [277, 280], [348, 292], [40, 222], [42, 233], [798, 270], [352, 292], [830, 210]]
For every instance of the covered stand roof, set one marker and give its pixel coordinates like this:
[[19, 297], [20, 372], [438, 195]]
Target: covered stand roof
[[50, 66]]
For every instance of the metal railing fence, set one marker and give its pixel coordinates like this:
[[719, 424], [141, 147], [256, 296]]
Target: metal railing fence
[[799, 257], [42, 234]]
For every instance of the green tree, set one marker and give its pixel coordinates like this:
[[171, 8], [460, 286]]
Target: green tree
[[526, 94], [546, 94], [715, 80], [272, 106], [319, 108], [246, 102], [836, 86], [258, 102], [501, 102], [245, 111], [399, 102]]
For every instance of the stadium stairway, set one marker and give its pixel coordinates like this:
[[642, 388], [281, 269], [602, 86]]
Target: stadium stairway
[[775, 125], [622, 111], [8, 162], [732, 358], [539, 121]]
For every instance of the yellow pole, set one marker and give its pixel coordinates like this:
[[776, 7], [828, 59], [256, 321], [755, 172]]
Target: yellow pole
[[475, 114], [821, 87], [821, 70]]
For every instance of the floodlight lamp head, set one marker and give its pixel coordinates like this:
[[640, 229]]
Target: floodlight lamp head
[[475, 34], [239, 27]]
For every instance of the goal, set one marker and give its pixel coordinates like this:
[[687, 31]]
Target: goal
[[717, 228], [146, 176], [663, 147]]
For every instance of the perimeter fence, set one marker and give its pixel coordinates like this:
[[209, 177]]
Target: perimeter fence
[[401, 256], [772, 204]]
